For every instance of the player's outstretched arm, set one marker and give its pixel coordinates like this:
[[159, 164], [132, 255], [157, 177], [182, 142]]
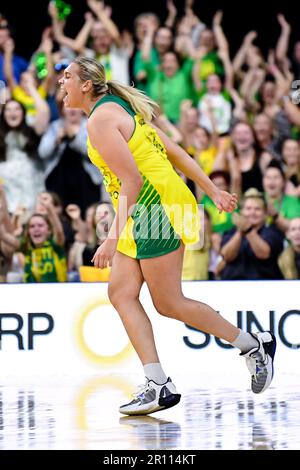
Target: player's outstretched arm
[[183, 162]]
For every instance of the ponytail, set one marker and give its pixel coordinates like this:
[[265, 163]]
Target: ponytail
[[139, 101]]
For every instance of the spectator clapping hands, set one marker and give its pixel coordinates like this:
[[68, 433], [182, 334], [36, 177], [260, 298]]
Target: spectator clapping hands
[[241, 222]]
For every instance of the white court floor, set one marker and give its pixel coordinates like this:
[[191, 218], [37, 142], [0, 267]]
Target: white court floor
[[68, 413]]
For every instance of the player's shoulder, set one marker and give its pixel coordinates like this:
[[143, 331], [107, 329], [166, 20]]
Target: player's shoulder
[[105, 110], [104, 114]]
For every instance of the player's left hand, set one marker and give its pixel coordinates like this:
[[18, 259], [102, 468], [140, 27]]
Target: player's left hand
[[105, 253], [225, 201]]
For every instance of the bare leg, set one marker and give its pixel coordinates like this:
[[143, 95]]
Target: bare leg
[[163, 277], [124, 288]]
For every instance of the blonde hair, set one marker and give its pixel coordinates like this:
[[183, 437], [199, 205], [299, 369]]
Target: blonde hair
[[253, 193], [90, 69]]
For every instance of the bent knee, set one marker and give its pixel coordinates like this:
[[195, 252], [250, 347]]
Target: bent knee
[[115, 294], [167, 308], [119, 296]]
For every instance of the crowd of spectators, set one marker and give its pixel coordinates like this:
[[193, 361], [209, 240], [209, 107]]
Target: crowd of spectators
[[236, 114]]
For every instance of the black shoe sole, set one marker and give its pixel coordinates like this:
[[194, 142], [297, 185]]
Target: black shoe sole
[[169, 401]]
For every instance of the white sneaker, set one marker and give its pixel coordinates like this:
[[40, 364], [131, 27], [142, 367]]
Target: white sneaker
[[260, 361], [152, 397]]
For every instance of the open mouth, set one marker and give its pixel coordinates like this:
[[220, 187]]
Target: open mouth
[[13, 121], [37, 235], [64, 93], [66, 98]]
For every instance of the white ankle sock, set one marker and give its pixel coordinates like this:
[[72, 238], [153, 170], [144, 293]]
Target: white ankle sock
[[245, 342], [155, 372]]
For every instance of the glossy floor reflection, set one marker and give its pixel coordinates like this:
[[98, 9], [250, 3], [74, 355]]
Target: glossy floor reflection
[[62, 413]]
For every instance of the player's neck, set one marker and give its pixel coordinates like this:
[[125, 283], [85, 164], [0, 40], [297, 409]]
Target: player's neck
[[88, 106]]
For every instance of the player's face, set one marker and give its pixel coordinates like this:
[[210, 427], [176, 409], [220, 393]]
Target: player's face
[[38, 230], [71, 86]]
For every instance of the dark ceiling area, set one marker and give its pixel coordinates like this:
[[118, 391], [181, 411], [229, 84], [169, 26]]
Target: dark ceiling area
[[29, 18]]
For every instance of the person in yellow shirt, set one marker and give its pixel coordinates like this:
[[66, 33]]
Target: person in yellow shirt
[[156, 216], [21, 93], [196, 259], [204, 149]]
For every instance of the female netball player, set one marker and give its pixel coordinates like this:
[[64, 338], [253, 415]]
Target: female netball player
[[156, 216]]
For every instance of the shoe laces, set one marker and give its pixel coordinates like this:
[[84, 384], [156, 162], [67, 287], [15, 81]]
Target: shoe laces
[[143, 388]]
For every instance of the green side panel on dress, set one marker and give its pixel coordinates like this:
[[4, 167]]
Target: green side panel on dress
[[152, 231]]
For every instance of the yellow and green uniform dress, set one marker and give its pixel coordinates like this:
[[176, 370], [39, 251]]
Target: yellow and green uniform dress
[[166, 210]]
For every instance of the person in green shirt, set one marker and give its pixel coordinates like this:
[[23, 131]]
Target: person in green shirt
[[281, 207], [212, 43], [170, 84], [153, 42], [139, 73]]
